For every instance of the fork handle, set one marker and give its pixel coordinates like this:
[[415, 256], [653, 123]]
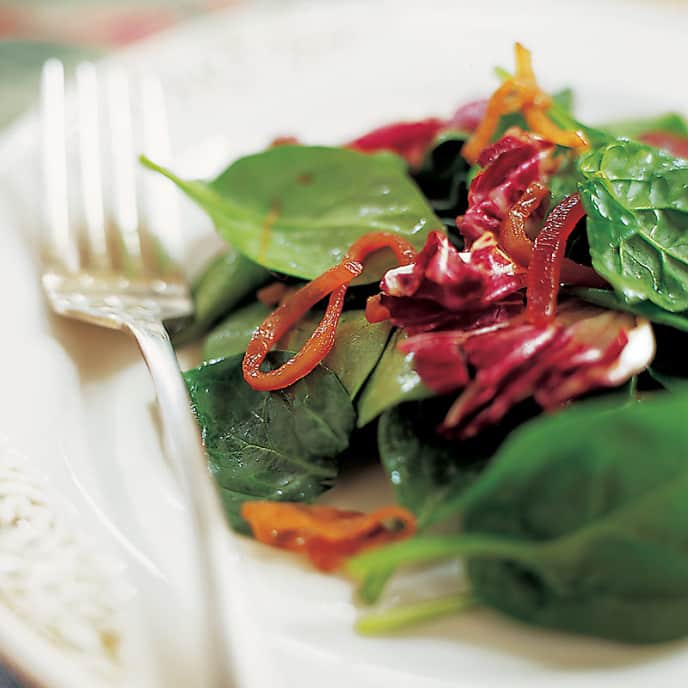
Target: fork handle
[[185, 450]]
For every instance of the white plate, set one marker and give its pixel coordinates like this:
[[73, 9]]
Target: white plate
[[92, 530]]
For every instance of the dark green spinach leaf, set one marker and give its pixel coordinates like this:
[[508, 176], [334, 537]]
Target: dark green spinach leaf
[[636, 198], [443, 178], [297, 209], [394, 380], [270, 445], [564, 181], [224, 283], [578, 524], [429, 472], [668, 382], [424, 469]]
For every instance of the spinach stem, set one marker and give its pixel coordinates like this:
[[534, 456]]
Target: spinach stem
[[502, 74], [434, 548], [407, 615], [372, 586], [200, 192], [633, 388]]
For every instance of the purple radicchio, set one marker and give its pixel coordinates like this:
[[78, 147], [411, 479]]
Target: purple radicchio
[[468, 328], [510, 165], [447, 288], [584, 348]]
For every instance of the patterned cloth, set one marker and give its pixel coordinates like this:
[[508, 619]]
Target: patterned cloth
[[33, 30]]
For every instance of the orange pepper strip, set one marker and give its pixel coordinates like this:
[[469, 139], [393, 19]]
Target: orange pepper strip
[[512, 236], [519, 247], [524, 64], [496, 107], [405, 253], [295, 306], [521, 92], [365, 245], [540, 123], [284, 317], [375, 312], [544, 274], [328, 536], [272, 294]]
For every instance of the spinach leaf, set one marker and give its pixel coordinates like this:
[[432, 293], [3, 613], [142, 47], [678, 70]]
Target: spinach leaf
[[443, 178], [564, 181], [645, 309], [233, 334], [270, 445], [357, 348], [668, 382], [429, 472], [297, 209], [636, 198], [670, 122], [578, 524], [424, 469], [225, 282], [564, 118], [564, 99], [394, 380]]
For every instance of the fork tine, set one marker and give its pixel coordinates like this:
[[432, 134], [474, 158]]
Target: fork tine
[[90, 162], [61, 242], [123, 168], [162, 216]]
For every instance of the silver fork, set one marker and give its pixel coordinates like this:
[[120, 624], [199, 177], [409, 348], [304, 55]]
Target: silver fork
[[115, 274]]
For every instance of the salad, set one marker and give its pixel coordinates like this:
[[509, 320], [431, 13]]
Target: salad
[[494, 306]]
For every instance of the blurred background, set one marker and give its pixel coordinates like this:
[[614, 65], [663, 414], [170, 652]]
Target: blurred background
[[33, 30]]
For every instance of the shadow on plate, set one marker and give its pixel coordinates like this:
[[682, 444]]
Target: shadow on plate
[[98, 353], [549, 648]]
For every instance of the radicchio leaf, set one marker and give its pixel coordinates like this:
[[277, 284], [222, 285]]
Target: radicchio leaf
[[447, 288], [676, 144], [439, 359], [465, 314], [467, 117], [583, 349], [510, 165], [410, 140]]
